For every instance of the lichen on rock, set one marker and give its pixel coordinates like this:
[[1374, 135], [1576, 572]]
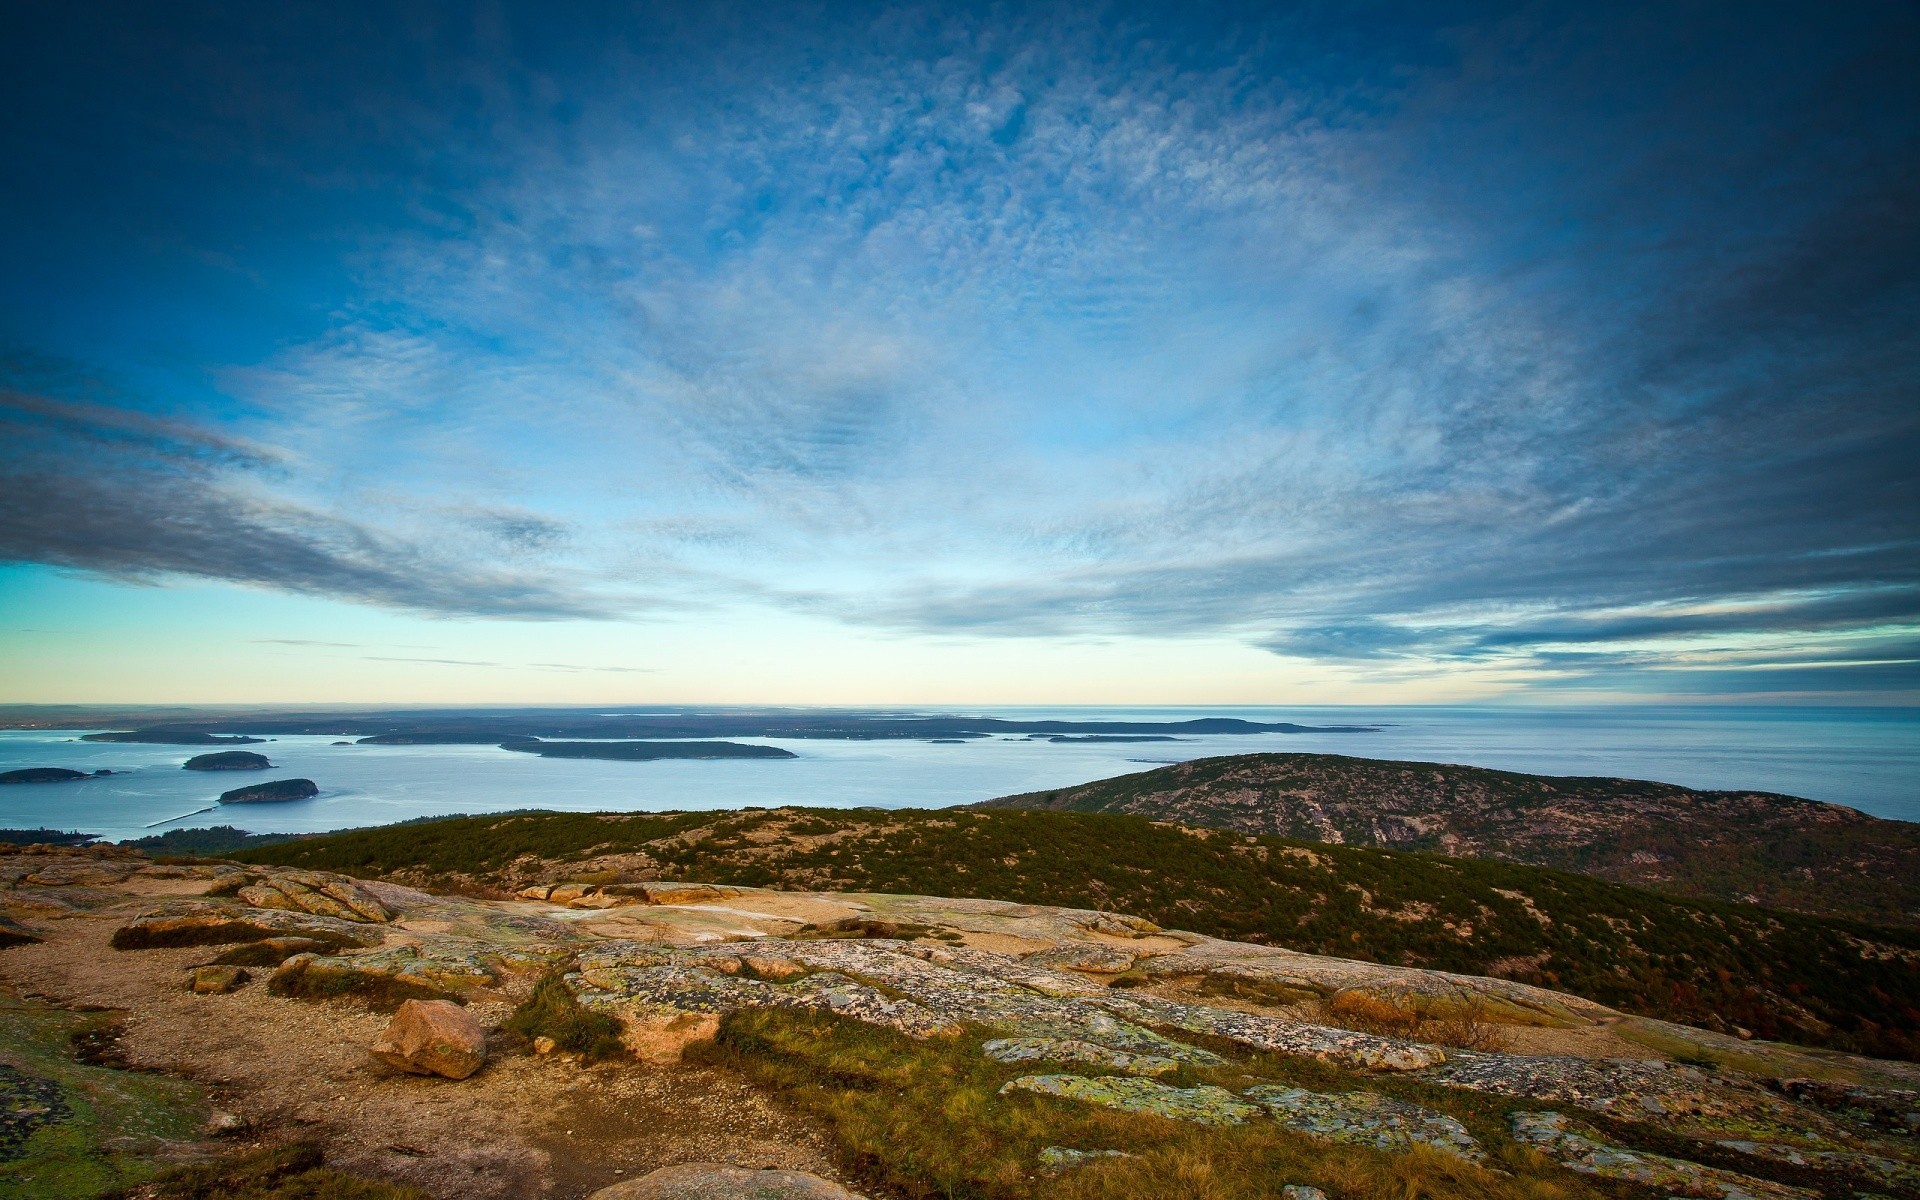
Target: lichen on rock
[[1365, 1119], [1205, 1105]]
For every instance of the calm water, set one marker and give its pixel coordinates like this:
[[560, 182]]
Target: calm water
[[1867, 758]]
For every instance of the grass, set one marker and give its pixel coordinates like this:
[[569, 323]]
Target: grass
[[1786, 976], [114, 1120], [926, 1118], [275, 1173], [553, 1012]]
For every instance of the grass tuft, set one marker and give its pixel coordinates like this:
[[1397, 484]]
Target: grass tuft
[[275, 1173], [553, 1012]]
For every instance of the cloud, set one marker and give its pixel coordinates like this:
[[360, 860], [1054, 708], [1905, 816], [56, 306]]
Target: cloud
[[1566, 346], [139, 499]]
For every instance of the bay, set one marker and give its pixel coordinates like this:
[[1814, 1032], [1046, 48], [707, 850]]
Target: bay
[[1865, 758]]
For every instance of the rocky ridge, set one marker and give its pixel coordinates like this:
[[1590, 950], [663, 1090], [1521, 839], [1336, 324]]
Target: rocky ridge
[[1085, 1007], [1762, 847]]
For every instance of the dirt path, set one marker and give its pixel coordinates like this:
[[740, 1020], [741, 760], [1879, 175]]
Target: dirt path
[[525, 1126]]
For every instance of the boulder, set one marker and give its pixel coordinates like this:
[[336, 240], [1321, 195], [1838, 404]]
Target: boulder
[[319, 892], [13, 933], [715, 1181], [215, 979], [433, 1037], [212, 923]]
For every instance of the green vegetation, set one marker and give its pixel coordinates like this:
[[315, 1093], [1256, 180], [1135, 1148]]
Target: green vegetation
[[553, 1012], [220, 839], [170, 737], [99, 1126], [43, 775], [46, 837], [1817, 981], [227, 760], [1777, 850], [926, 1117], [275, 1173], [271, 792]]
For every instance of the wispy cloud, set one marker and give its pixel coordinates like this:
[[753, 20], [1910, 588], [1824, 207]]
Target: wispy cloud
[[131, 497], [1555, 347]]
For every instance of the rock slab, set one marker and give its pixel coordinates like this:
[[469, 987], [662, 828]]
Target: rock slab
[[716, 1181], [1202, 1105], [1365, 1119], [433, 1037]]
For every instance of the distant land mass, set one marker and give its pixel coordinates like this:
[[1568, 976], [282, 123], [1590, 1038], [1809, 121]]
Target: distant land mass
[[1106, 737], [227, 760], [169, 737], [645, 751], [492, 726], [45, 775], [1760, 847], [271, 792]]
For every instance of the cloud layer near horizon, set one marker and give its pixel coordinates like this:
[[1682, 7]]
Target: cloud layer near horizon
[[1576, 348]]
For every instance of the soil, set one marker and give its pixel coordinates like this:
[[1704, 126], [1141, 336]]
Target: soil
[[524, 1126]]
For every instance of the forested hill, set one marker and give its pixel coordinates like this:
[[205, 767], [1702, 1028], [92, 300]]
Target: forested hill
[[1759, 847], [1728, 967]]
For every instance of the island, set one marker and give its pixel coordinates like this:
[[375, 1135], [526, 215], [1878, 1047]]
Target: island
[[644, 751], [171, 737], [471, 726], [269, 793], [1105, 737], [227, 760], [47, 775]]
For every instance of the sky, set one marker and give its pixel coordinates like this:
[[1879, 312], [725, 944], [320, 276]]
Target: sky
[[862, 353]]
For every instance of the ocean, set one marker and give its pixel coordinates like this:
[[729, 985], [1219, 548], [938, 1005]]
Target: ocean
[[1866, 758]]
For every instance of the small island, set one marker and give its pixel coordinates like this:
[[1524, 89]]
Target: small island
[[644, 751], [171, 737], [1110, 737], [227, 760], [269, 793], [47, 775]]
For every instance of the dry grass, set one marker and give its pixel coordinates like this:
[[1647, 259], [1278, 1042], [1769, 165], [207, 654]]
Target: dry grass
[[1464, 1023], [276, 1173]]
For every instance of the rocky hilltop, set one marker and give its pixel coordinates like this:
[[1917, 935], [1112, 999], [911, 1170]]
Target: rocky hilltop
[[588, 1031], [1733, 967], [1756, 847]]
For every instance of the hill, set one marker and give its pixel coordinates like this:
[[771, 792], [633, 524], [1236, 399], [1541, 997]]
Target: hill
[[1755, 847], [1726, 967]]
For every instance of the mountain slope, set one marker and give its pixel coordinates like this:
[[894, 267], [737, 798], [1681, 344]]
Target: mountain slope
[[1722, 966], [1758, 847]]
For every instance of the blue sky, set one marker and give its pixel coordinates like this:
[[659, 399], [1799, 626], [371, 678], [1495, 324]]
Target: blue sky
[[931, 353]]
